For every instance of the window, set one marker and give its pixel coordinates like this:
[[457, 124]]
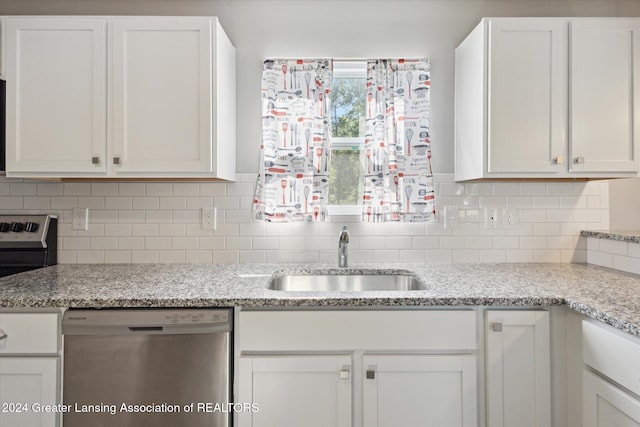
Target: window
[[348, 100]]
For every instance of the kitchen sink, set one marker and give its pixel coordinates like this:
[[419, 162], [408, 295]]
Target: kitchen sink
[[345, 282]]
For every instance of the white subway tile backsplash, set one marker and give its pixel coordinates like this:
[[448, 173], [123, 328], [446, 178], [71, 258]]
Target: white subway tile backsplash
[[23, 189], [133, 222], [158, 216], [634, 250], [173, 203], [104, 189], [90, 257], [110, 243], [144, 230], [50, 189], [171, 230], [613, 246], [186, 189], [144, 257], [146, 202], [137, 189], [184, 243], [37, 202], [199, 257], [77, 189], [211, 243], [118, 203], [159, 189], [157, 242], [130, 243], [171, 257], [117, 257]]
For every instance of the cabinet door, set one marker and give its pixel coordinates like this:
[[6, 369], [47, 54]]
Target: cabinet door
[[604, 94], [605, 405], [162, 83], [419, 390], [294, 391], [56, 94], [518, 369], [527, 96], [28, 381]]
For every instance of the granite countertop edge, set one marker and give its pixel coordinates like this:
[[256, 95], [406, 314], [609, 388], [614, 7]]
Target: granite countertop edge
[[622, 236], [610, 296]]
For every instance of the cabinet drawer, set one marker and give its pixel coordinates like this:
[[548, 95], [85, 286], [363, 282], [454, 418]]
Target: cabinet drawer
[[612, 353], [340, 330], [29, 333]]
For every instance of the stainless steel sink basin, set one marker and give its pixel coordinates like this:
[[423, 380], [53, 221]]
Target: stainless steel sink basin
[[345, 282]]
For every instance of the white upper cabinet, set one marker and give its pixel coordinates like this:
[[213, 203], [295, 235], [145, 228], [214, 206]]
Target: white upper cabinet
[[133, 97], [56, 72], [604, 78], [547, 98]]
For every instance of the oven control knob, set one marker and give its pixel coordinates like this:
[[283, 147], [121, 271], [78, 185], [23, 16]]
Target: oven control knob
[[31, 227], [4, 227], [17, 227]]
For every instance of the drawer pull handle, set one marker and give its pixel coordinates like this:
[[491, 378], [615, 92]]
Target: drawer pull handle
[[496, 327], [3, 335], [344, 375], [371, 374]]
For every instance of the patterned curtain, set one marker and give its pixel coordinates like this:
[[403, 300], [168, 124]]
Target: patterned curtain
[[293, 180], [397, 166]]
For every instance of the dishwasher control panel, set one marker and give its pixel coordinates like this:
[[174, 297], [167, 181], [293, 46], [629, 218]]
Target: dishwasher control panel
[[190, 317], [151, 321]]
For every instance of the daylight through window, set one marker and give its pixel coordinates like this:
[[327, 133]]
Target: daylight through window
[[348, 100]]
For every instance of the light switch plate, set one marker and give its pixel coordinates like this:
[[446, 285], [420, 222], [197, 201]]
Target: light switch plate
[[80, 219], [209, 218], [450, 217]]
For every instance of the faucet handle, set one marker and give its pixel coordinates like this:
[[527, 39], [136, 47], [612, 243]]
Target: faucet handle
[[344, 235]]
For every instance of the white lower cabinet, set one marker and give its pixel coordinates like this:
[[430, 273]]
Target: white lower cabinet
[[419, 390], [606, 405], [357, 368], [309, 390], [611, 377], [26, 385], [29, 369], [518, 368]]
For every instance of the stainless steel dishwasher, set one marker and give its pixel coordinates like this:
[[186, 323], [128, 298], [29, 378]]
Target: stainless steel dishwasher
[[147, 367]]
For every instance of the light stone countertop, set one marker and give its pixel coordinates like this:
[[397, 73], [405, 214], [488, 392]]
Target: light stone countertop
[[601, 293], [623, 236]]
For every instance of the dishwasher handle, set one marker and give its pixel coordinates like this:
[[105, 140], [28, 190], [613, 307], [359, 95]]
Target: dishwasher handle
[[145, 328]]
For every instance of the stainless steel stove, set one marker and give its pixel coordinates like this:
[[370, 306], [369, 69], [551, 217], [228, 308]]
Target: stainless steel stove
[[27, 242]]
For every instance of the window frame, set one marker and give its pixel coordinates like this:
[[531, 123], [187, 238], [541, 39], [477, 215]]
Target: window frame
[[347, 69]]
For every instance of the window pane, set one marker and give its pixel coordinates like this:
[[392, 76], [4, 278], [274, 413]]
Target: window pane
[[347, 105], [344, 178]]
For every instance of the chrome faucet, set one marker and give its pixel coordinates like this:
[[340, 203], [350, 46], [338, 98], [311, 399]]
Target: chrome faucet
[[343, 248]]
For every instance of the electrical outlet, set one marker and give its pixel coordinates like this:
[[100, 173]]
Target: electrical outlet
[[508, 218], [209, 218], [490, 218], [450, 217], [80, 219]]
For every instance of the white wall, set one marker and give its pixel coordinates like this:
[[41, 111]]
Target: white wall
[[341, 29], [624, 199], [159, 222]]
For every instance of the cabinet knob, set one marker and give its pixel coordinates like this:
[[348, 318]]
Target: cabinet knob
[[344, 375], [496, 327], [559, 160], [3, 335], [95, 160], [371, 374], [579, 160], [116, 160]]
